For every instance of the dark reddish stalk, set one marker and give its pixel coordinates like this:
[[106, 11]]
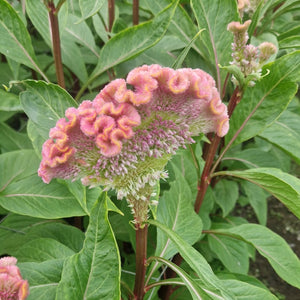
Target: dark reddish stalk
[[141, 260], [135, 12], [111, 14], [56, 43]]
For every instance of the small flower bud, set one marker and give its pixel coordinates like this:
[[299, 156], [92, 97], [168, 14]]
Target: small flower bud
[[12, 286]]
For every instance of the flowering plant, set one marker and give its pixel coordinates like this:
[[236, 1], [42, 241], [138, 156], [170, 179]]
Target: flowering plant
[[135, 143]]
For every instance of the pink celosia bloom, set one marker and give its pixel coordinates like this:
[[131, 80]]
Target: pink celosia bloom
[[12, 286], [125, 136]]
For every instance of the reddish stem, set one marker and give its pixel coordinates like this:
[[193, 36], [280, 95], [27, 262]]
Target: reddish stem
[[141, 259], [56, 43], [135, 12], [111, 14]]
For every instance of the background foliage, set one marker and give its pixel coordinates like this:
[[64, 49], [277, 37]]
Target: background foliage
[[72, 242]]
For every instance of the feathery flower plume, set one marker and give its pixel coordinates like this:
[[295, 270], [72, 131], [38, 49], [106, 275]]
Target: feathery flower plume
[[12, 286], [126, 135]]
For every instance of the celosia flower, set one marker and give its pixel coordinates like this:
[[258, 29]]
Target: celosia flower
[[125, 136], [12, 286], [248, 58]]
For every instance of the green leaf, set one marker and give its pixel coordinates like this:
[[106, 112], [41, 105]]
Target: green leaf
[[257, 199], [173, 208], [17, 165], [9, 102], [42, 249], [209, 281], [267, 99], [80, 33], [45, 104], [214, 16], [284, 133], [281, 185], [90, 7], [36, 136], [181, 24], [195, 289], [181, 57], [93, 273], [273, 247], [230, 252], [13, 229], [15, 41], [133, 41], [243, 290], [226, 195], [30, 196], [42, 277], [11, 140]]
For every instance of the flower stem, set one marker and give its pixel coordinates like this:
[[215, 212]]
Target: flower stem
[[141, 259], [56, 43], [111, 14], [135, 12]]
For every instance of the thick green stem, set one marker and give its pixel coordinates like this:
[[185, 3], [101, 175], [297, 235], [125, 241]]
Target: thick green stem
[[141, 260], [135, 12], [56, 43]]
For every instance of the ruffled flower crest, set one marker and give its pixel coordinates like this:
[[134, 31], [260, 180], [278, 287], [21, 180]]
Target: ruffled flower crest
[[126, 135]]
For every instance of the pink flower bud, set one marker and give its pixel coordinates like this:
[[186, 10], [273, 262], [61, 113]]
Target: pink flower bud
[[12, 286]]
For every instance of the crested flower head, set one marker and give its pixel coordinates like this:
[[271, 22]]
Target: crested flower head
[[125, 136], [12, 286]]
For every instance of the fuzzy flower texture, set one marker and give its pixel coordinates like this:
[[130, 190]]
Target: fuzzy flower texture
[[125, 136], [12, 286]]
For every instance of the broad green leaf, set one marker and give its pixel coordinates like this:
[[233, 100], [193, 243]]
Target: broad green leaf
[[257, 199], [173, 208], [80, 33], [90, 7], [230, 252], [284, 133], [15, 41], [214, 16], [17, 165], [250, 158], [13, 229], [85, 196], [243, 290], [9, 102], [292, 42], [195, 289], [93, 273], [100, 28], [209, 281], [11, 140], [290, 33], [133, 41], [181, 24], [36, 136], [67, 235], [181, 57], [267, 99], [71, 55], [281, 185], [43, 278], [31, 196], [226, 195], [273, 247], [42, 249], [45, 104]]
